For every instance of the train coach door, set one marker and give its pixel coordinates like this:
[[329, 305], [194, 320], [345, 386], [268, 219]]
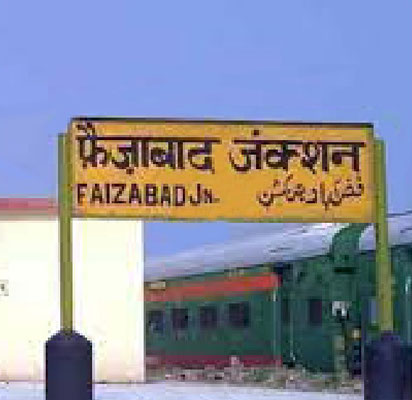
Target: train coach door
[[408, 300]]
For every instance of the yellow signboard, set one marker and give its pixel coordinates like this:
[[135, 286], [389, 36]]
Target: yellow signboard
[[232, 170]]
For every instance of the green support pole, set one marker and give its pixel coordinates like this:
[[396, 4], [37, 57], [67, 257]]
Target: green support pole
[[385, 361], [69, 355], [65, 227], [383, 260]]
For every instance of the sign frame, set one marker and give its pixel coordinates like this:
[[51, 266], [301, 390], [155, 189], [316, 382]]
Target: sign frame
[[66, 171], [368, 127]]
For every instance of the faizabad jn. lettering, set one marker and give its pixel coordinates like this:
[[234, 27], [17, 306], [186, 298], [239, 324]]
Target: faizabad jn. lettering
[[149, 194]]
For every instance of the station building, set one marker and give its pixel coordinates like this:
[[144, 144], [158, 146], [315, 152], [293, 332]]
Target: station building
[[108, 290]]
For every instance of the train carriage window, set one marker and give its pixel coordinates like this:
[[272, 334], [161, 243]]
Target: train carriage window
[[155, 321], [208, 317], [315, 311], [373, 311], [239, 314], [180, 318]]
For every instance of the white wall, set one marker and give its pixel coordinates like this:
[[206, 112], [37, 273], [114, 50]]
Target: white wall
[[108, 268], [108, 295]]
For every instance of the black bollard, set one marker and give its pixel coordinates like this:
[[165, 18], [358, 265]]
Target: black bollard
[[385, 362], [408, 374], [69, 367]]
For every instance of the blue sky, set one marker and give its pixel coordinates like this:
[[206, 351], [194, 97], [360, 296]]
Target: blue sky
[[318, 60]]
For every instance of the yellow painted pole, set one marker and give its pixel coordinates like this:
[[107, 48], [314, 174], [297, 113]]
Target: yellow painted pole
[[383, 259], [65, 230]]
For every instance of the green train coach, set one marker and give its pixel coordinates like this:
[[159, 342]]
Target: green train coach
[[305, 295]]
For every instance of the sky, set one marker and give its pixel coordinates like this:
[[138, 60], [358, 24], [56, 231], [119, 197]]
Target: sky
[[319, 60]]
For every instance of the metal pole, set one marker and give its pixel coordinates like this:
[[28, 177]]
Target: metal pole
[[407, 312], [65, 227], [69, 355], [383, 259]]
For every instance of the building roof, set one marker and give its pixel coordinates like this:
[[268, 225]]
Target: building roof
[[27, 207]]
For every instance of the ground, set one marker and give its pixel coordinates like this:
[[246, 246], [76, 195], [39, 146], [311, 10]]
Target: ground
[[173, 391]]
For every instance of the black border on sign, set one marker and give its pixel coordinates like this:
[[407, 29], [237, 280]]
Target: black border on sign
[[222, 121], [213, 121]]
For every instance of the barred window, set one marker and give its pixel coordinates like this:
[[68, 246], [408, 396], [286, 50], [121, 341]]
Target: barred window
[[155, 321], [180, 318], [208, 317], [239, 314], [315, 311]]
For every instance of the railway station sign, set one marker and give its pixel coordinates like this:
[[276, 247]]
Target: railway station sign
[[230, 170]]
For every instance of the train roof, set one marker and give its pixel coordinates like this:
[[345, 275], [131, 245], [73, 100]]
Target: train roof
[[400, 232], [302, 242], [292, 244]]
